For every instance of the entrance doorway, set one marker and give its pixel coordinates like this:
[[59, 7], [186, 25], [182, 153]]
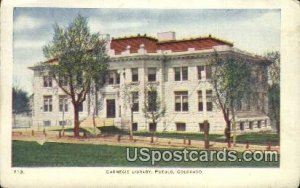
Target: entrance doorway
[[110, 108]]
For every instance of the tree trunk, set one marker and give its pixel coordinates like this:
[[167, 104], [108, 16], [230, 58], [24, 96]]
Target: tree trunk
[[234, 128], [95, 111], [131, 122], [228, 132], [76, 121]]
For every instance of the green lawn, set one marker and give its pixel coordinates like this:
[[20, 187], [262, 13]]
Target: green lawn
[[31, 154], [252, 138]]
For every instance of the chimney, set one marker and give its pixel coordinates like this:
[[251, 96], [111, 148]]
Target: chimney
[[165, 36]]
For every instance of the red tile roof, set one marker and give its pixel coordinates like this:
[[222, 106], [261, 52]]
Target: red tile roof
[[152, 44]]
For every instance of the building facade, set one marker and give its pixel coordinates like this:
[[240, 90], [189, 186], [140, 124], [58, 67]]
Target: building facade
[[179, 70]]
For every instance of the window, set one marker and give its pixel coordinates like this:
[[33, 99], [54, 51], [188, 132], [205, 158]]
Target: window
[[209, 104], [62, 123], [47, 103], [80, 107], [250, 125], [113, 78], [47, 123], [152, 97], [200, 72], [180, 126], [47, 81], [266, 123], [208, 72], [181, 101], [135, 101], [152, 127], [117, 78], [181, 73], [134, 127], [135, 75], [62, 81], [151, 74], [242, 126], [177, 73], [63, 103], [200, 101], [259, 124]]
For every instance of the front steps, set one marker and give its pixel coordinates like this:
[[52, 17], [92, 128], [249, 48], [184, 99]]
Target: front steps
[[88, 124]]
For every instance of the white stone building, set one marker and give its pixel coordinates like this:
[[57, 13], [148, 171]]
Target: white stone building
[[179, 69]]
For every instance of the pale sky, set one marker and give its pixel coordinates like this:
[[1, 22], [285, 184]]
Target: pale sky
[[256, 31]]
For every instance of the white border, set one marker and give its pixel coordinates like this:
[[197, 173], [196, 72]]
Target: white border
[[288, 173]]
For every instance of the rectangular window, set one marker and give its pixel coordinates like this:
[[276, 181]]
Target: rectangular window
[[152, 127], [151, 74], [266, 123], [62, 123], [134, 127], [62, 81], [200, 101], [200, 72], [177, 73], [47, 81], [259, 124], [184, 73], [208, 72], [181, 73], [135, 101], [242, 126], [180, 126], [111, 78], [135, 75], [250, 125], [181, 101], [152, 97], [117, 78], [63, 103], [47, 123], [209, 103], [47, 103]]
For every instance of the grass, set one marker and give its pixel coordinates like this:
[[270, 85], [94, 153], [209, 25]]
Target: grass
[[252, 138], [259, 138], [31, 154]]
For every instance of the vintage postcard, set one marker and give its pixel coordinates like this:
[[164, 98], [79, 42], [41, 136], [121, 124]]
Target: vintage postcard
[[104, 94]]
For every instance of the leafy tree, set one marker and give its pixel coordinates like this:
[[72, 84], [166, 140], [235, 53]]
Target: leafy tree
[[231, 78], [274, 88], [153, 109], [82, 62], [20, 101]]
